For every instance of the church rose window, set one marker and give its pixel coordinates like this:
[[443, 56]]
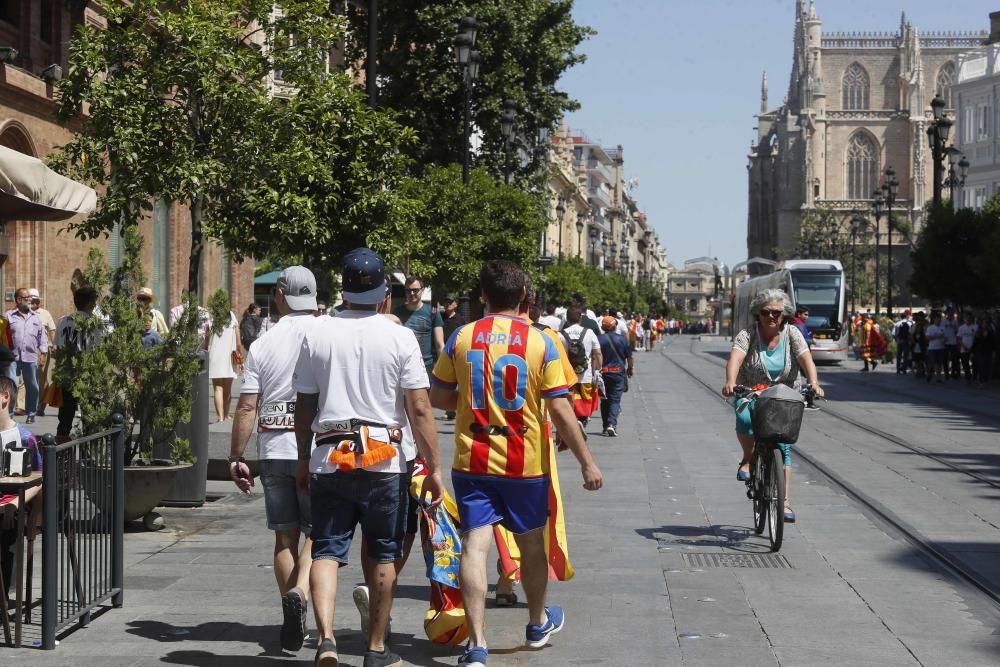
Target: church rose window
[[945, 79], [856, 84], [862, 166]]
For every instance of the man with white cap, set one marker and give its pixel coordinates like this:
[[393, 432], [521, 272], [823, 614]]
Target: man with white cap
[[157, 322], [44, 368], [267, 398], [361, 382]]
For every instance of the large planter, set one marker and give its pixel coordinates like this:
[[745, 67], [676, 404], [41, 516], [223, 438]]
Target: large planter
[[145, 487]]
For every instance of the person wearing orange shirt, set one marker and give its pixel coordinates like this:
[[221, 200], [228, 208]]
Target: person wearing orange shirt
[[496, 373]]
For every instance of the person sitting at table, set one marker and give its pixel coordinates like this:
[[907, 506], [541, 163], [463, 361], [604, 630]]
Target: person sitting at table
[[9, 503]]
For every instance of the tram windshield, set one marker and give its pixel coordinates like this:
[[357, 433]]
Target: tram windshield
[[820, 292]]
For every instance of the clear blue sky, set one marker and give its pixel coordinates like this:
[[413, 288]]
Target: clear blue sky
[[677, 83]]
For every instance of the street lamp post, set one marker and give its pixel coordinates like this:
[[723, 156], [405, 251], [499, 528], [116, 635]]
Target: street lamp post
[[560, 212], [937, 138], [858, 224], [878, 204], [956, 179], [579, 234], [507, 120], [889, 190], [623, 260], [604, 255], [593, 246], [469, 59]]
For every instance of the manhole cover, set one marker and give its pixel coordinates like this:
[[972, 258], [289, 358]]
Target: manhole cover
[[770, 561]]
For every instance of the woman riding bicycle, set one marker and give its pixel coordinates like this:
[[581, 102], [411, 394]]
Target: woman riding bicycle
[[769, 352]]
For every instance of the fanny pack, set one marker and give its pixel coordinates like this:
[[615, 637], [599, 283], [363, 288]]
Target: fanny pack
[[276, 416], [357, 443]]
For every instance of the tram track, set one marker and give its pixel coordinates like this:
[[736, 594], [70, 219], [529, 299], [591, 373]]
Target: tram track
[[946, 560]]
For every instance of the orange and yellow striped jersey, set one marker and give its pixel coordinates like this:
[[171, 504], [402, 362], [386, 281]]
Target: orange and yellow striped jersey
[[502, 369]]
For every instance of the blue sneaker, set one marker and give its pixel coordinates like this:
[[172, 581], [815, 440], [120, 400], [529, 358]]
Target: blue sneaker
[[538, 635], [474, 656]]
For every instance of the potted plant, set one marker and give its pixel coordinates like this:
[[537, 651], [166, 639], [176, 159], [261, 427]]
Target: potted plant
[[149, 386]]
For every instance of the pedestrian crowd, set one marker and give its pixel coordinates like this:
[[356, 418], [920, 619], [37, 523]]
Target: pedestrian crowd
[[939, 346]]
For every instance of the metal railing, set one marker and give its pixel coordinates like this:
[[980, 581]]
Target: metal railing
[[83, 520]]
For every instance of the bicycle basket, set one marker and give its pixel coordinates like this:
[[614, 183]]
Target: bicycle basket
[[777, 414]]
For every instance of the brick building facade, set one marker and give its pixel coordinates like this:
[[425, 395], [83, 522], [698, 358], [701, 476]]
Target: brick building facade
[[856, 104], [43, 254]]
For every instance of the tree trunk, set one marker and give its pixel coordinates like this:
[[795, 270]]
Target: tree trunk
[[197, 244]]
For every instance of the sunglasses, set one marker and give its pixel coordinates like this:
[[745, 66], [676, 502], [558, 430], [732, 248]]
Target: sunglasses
[[772, 314], [413, 290]]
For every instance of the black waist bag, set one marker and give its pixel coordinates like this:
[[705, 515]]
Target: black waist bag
[[777, 414]]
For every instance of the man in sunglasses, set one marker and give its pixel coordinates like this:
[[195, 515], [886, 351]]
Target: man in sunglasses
[[426, 324]]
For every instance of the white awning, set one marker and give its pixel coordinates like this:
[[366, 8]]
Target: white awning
[[31, 191]]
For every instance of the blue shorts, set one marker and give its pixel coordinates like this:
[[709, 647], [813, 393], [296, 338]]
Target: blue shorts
[[519, 505], [285, 505], [342, 500], [744, 426]]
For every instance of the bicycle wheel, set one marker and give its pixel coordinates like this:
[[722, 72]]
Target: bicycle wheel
[[758, 471], [776, 498]]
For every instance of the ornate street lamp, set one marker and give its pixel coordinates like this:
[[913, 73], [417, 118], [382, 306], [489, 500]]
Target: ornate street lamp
[[889, 190], [579, 234], [956, 178], [937, 138], [604, 254], [469, 59], [507, 120], [560, 213], [877, 207], [858, 226]]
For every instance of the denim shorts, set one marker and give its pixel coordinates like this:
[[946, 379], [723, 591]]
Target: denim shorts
[[286, 507], [519, 505], [342, 500]]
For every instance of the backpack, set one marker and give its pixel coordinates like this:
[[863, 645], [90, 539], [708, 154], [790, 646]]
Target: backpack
[[904, 331], [648, 324], [250, 330], [576, 352]]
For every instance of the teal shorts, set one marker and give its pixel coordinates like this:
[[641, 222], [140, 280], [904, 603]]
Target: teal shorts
[[744, 426]]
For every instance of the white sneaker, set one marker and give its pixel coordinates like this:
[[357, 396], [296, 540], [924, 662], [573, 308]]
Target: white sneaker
[[361, 602]]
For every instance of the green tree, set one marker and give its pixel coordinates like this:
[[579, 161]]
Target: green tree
[[525, 47], [456, 227], [950, 260], [171, 100]]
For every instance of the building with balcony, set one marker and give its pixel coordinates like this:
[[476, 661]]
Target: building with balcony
[[36, 35], [856, 104], [976, 96]]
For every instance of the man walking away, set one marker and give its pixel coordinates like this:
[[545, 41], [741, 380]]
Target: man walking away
[[951, 363], [425, 324], [501, 467], [267, 398], [44, 368], [550, 319], [30, 346], [69, 341], [360, 381], [617, 368], [584, 353], [901, 332], [966, 339]]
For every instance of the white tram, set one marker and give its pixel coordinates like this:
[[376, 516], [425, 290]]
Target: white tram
[[817, 283]]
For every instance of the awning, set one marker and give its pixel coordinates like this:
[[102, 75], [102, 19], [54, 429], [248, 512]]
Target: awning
[[31, 191], [267, 279]]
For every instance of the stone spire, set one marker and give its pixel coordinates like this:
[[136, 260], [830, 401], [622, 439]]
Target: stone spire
[[763, 93], [812, 9]]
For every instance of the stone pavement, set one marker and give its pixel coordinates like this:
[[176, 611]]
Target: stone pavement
[[647, 591]]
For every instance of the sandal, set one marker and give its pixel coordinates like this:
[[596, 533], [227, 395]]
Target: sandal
[[506, 599], [789, 514], [741, 474], [326, 654]]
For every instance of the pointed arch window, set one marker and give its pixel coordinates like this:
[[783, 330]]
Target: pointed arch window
[[945, 80], [856, 87], [862, 166]]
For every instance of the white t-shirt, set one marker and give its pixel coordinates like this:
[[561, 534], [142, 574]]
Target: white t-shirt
[[360, 363], [551, 321], [950, 332], [935, 337], [267, 372], [967, 334], [67, 335], [622, 328], [590, 343]]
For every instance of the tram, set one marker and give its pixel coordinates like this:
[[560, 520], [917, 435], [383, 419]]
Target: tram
[[817, 283]]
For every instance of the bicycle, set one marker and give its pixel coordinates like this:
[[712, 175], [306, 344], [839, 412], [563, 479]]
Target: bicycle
[[766, 486]]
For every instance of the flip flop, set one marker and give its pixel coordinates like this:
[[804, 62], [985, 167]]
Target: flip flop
[[506, 599]]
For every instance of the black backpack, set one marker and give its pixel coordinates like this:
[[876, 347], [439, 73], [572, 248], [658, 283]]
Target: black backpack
[[648, 324], [576, 352], [904, 331]]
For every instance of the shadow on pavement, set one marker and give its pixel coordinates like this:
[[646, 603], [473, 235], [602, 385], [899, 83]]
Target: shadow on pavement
[[266, 636], [721, 536]]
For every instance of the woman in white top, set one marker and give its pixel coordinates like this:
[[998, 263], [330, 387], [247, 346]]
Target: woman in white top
[[221, 369]]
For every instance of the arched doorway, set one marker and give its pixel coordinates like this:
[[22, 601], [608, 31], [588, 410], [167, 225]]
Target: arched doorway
[[15, 136]]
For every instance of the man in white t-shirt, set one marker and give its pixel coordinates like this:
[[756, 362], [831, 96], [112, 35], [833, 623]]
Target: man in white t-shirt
[[951, 364], [966, 338], [936, 337], [267, 401], [550, 319], [360, 381], [584, 353]]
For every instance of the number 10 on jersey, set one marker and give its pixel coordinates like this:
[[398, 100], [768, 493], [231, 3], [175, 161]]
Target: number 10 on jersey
[[508, 367]]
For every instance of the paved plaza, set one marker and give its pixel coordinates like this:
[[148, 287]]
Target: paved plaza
[[661, 552]]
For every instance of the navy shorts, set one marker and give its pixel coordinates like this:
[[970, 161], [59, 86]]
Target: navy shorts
[[286, 507], [342, 500], [519, 505]]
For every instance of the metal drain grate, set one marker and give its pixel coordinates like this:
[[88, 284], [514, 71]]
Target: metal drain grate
[[763, 561]]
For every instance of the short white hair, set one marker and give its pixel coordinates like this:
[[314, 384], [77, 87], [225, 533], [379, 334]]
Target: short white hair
[[772, 295]]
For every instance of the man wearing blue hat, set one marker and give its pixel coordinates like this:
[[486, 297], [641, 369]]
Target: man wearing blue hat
[[360, 382]]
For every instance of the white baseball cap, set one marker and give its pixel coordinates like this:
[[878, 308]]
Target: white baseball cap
[[298, 284], [33, 293]]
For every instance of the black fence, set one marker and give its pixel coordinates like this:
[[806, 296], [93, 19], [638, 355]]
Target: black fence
[[83, 517]]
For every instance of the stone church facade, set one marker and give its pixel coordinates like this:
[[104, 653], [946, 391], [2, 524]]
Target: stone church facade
[[856, 104]]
